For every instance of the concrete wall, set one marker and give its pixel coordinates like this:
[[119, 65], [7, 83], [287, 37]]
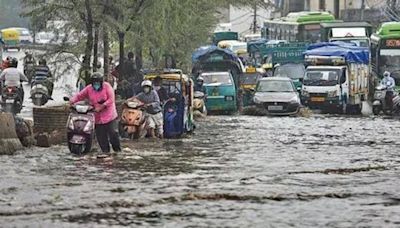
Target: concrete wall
[[9, 142]]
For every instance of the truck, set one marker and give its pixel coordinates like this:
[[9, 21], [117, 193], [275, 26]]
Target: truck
[[220, 36], [288, 61], [351, 32], [337, 78]]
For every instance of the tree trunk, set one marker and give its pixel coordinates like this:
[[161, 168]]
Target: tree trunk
[[96, 46], [106, 44], [121, 39], [89, 30], [139, 58]]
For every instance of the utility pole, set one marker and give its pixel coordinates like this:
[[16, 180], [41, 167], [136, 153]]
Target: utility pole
[[362, 9], [255, 19]]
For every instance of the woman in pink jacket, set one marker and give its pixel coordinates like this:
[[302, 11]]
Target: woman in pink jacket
[[101, 96]]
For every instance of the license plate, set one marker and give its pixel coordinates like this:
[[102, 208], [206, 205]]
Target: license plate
[[38, 95], [9, 101], [318, 99], [275, 108]]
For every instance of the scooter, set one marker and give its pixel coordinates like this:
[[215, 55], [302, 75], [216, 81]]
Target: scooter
[[11, 100], [133, 122], [80, 128], [39, 94], [199, 102], [379, 104]]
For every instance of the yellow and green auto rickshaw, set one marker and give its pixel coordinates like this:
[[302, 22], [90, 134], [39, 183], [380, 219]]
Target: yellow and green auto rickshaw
[[11, 39], [248, 83], [178, 112]]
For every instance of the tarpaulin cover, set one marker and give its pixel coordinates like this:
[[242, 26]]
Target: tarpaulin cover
[[205, 51], [351, 53]]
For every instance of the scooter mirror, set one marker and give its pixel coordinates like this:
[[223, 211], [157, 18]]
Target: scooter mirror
[[66, 98]]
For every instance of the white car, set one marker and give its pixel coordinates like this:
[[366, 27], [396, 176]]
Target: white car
[[44, 38]]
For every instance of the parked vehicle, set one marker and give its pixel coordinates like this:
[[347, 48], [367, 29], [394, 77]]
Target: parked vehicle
[[225, 35], [277, 95], [178, 112], [199, 102], [221, 92], [11, 39], [379, 104], [337, 77], [11, 100], [133, 123], [80, 128]]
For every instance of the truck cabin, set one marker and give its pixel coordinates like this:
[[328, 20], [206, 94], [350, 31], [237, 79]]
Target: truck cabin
[[349, 32], [325, 71]]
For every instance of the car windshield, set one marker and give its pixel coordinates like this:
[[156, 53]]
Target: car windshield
[[275, 86], [250, 78], [293, 71], [322, 77], [224, 78]]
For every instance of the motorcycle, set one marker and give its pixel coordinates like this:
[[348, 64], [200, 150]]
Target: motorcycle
[[133, 122], [379, 104], [39, 94], [29, 71], [80, 128], [199, 102], [11, 100]]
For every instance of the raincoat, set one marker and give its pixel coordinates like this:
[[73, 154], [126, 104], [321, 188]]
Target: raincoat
[[104, 97]]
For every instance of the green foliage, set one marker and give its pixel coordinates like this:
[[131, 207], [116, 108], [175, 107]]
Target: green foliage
[[156, 28]]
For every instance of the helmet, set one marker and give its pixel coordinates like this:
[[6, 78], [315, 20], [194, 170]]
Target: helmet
[[146, 83], [14, 62], [97, 77], [42, 62], [386, 74], [200, 79]]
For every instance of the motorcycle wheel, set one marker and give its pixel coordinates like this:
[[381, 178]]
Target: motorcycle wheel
[[37, 101], [79, 149], [376, 110]]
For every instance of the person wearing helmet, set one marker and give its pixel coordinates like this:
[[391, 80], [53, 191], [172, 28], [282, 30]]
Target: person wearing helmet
[[101, 96], [13, 77], [153, 109], [29, 59], [43, 75], [389, 83], [199, 86], [6, 63]]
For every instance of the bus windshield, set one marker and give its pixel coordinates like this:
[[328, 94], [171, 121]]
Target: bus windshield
[[389, 60], [322, 77]]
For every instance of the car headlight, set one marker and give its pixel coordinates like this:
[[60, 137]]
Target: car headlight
[[256, 100], [295, 100], [229, 98], [332, 93], [305, 93]]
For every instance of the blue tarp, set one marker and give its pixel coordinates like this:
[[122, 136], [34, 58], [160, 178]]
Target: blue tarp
[[207, 50], [254, 46], [352, 53]]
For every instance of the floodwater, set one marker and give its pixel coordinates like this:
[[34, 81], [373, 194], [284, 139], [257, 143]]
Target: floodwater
[[238, 171]]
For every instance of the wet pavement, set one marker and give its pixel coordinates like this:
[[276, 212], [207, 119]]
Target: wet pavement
[[238, 171]]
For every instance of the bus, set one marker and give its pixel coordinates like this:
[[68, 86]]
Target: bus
[[297, 27], [357, 33], [385, 50]]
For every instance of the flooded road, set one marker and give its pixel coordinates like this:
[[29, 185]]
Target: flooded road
[[239, 171]]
